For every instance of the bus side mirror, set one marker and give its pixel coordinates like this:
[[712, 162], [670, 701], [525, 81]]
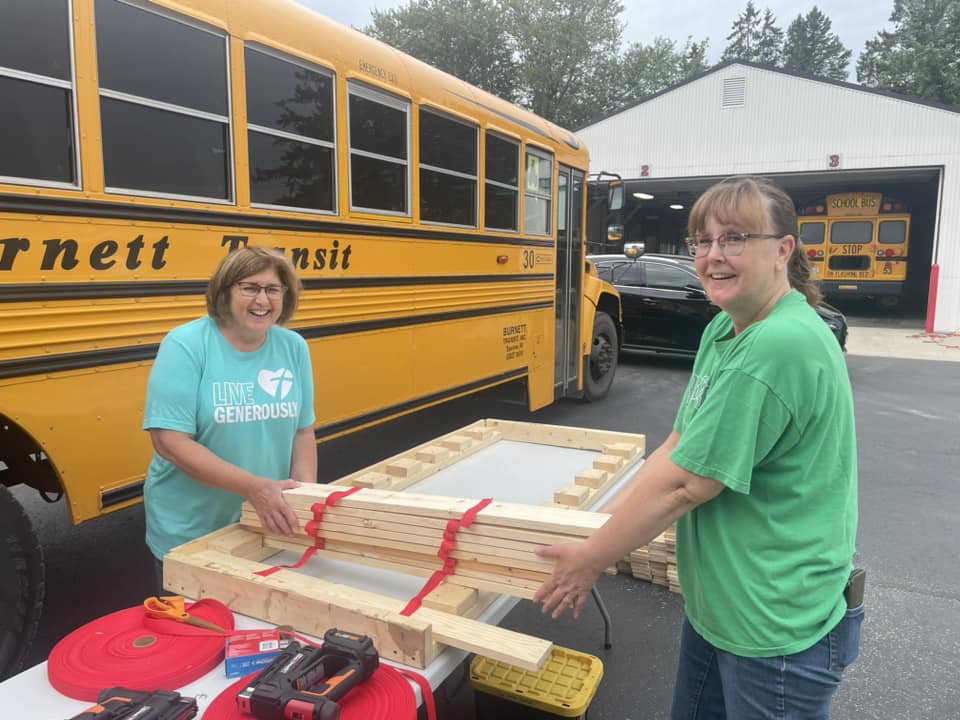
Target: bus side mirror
[[633, 250], [615, 198]]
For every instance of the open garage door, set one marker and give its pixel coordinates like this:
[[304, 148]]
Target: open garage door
[[655, 212]]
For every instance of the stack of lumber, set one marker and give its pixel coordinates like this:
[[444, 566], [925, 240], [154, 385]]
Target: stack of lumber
[[657, 562], [403, 531]]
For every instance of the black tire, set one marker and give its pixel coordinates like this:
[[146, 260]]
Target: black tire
[[601, 365], [21, 584]]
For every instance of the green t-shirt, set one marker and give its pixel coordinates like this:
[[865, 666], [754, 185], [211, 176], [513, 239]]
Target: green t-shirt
[[768, 413], [245, 407]]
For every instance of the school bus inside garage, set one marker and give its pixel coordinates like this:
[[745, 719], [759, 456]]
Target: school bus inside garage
[[655, 213], [814, 136]]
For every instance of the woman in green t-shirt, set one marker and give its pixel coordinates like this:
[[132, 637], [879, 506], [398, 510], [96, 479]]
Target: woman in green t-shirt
[[760, 475]]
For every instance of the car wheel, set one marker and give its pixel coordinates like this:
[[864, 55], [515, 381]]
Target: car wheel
[[602, 364]]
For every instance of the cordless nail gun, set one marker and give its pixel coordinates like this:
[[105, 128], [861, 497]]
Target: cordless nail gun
[[121, 704], [305, 682]]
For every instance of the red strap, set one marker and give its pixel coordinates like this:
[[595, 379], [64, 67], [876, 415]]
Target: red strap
[[312, 528], [425, 690], [447, 546]]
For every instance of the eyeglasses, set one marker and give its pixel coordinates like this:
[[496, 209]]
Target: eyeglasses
[[730, 243], [252, 289]]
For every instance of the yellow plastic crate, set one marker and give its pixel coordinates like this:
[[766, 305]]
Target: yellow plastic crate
[[564, 686]]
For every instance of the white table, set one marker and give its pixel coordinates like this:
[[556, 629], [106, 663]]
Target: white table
[[507, 471]]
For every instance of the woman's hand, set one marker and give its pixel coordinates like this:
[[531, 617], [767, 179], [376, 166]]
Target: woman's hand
[[572, 581], [275, 515]]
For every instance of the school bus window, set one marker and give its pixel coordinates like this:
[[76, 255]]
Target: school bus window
[[501, 183], [290, 122], [892, 232], [851, 233], [537, 198], [448, 170], [176, 99], [812, 233], [379, 151], [36, 84]]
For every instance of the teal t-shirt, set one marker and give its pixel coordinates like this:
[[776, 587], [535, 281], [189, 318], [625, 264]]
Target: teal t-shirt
[[768, 413], [245, 407]]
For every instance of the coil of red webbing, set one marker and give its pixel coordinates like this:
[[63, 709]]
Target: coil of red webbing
[[130, 649]]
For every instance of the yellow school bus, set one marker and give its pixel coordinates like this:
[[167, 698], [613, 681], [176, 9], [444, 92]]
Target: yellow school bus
[[438, 230], [858, 244]]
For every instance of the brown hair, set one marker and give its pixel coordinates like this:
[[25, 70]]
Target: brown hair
[[243, 263], [747, 200]]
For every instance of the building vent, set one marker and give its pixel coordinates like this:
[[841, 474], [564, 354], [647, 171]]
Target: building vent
[[733, 90]]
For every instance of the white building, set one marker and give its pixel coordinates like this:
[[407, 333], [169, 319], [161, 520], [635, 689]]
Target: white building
[[810, 135]]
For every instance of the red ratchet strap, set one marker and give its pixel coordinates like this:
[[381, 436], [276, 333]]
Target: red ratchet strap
[[387, 695], [131, 649], [445, 554], [312, 528]]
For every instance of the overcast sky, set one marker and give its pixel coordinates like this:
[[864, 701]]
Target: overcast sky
[[855, 21]]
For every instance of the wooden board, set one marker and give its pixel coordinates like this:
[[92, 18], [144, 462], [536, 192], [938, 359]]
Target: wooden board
[[223, 565]]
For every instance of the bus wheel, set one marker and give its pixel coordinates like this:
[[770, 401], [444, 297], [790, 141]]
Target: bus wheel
[[603, 359], [21, 584]]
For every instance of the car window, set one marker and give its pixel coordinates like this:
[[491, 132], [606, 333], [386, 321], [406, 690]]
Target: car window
[[629, 274], [668, 277], [605, 272]]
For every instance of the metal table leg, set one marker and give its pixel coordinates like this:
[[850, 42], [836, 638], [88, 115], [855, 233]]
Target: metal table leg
[[607, 642]]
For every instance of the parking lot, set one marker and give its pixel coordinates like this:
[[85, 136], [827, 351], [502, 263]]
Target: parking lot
[[907, 417]]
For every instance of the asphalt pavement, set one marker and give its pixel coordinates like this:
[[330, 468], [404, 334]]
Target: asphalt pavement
[[907, 417]]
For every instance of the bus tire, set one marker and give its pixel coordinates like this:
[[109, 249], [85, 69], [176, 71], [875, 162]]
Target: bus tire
[[601, 365], [21, 584]]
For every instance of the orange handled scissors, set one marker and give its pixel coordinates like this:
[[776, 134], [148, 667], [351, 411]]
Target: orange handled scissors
[[173, 607]]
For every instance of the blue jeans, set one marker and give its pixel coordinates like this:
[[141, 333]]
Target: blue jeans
[[715, 685]]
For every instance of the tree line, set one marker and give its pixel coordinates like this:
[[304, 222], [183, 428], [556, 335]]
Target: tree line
[[565, 59]]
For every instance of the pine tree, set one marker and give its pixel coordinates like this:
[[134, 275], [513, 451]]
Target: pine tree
[[770, 41], [811, 47], [742, 41], [921, 56]]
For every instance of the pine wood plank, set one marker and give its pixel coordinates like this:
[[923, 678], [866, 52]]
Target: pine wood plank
[[312, 606]]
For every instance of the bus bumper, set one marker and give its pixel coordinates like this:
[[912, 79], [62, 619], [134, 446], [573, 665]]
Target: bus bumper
[[860, 288]]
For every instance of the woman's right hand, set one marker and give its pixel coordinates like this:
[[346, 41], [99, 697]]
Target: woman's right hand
[[275, 515]]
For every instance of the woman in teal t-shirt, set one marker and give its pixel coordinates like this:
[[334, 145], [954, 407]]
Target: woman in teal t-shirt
[[760, 475], [230, 407]]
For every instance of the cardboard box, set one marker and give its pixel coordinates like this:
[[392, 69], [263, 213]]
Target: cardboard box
[[250, 650]]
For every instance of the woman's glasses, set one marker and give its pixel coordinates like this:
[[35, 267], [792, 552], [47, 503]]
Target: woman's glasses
[[730, 243], [252, 289]]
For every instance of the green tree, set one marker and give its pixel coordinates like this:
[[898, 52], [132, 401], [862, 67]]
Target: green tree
[[742, 41], [466, 38], [648, 69], [559, 58], [769, 41], [921, 56], [568, 54], [812, 47], [694, 60], [755, 37]]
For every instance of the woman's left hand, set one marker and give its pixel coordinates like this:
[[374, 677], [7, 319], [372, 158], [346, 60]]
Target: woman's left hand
[[572, 581]]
